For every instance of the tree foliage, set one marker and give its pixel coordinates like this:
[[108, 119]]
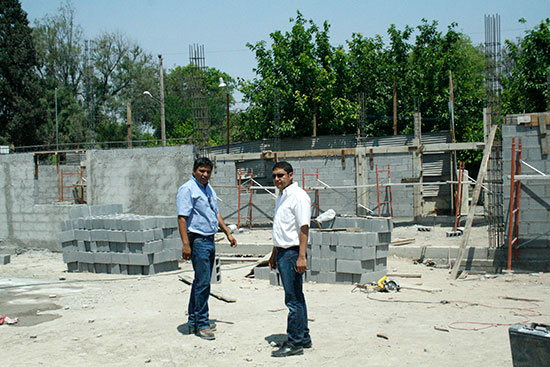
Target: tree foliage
[[20, 113], [525, 85]]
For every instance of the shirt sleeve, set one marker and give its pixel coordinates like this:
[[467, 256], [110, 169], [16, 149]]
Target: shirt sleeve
[[214, 199], [184, 201], [303, 210]]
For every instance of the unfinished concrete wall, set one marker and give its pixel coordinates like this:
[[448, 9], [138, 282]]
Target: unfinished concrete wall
[[144, 180], [534, 217], [29, 211]]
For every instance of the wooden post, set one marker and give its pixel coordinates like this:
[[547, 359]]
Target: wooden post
[[394, 107], [417, 166], [315, 124], [475, 197]]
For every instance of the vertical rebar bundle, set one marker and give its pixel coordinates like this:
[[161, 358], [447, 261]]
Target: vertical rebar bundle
[[493, 66], [201, 118]]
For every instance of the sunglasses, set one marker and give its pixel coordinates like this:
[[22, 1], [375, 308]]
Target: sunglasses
[[278, 175]]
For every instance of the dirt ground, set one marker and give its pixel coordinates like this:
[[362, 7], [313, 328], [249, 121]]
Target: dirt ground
[[83, 319]]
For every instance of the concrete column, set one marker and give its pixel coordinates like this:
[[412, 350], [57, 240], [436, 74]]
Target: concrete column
[[417, 166]]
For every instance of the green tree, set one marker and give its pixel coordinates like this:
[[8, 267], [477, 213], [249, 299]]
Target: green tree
[[20, 113], [525, 80]]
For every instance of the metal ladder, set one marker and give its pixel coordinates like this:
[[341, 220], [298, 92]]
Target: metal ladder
[[387, 187], [315, 201], [245, 181], [515, 191]]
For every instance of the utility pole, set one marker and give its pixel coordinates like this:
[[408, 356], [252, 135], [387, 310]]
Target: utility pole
[[162, 120], [129, 122], [394, 107]]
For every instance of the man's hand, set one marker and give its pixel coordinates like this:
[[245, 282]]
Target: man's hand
[[186, 252], [301, 264], [273, 260], [232, 240]]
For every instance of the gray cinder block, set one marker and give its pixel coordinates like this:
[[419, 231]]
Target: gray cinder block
[[261, 272], [328, 265], [99, 235], [69, 257], [103, 257], [328, 252], [71, 246], [354, 266], [167, 255], [274, 278], [140, 259], [370, 277], [66, 236], [72, 267], [82, 235], [120, 258], [216, 277], [85, 257], [315, 251], [102, 268], [135, 248], [152, 247], [382, 251], [116, 236], [135, 237], [172, 243], [315, 264], [135, 269], [5, 259]]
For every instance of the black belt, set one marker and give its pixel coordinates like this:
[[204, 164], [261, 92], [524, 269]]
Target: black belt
[[194, 235], [292, 248]]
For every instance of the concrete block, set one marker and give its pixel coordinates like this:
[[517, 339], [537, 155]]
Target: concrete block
[[171, 266], [103, 246], [79, 211], [71, 246], [172, 243], [97, 223], [135, 269], [152, 247], [166, 222], [384, 237], [315, 264], [82, 235], [85, 257], [66, 236], [166, 255], [68, 257], [344, 278], [72, 267], [102, 268], [353, 239], [118, 247], [370, 277], [327, 265], [117, 236], [92, 245], [328, 252], [354, 266], [315, 251], [123, 269], [81, 246], [261, 272], [119, 258], [103, 257], [140, 259], [158, 234], [274, 278], [135, 236], [216, 277], [99, 235], [382, 251], [135, 248], [315, 237], [5, 259], [380, 264], [355, 253], [115, 268], [170, 233]]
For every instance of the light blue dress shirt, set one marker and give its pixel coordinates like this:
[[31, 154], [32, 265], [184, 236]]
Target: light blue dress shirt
[[199, 204]]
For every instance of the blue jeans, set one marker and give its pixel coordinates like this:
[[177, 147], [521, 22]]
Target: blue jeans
[[296, 329], [202, 258]]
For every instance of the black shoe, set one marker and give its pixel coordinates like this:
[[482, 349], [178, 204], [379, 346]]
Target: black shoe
[[307, 345], [288, 350]]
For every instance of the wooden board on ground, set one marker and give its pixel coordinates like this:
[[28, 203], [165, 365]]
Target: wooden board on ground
[[213, 293], [351, 229]]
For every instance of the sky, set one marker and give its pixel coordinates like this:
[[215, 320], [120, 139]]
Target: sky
[[224, 27]]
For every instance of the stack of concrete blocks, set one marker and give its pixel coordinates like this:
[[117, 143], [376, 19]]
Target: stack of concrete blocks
[[340, 256], [102, 239], [357, 256]]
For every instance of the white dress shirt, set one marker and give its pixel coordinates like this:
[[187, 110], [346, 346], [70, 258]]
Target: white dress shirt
[[292, 211]]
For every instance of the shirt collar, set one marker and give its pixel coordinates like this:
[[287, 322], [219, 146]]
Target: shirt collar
[[288, 189], [200, 184]]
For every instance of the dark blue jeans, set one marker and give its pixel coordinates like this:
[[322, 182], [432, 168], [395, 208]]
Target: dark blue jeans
[[202, 258], [296, 329]]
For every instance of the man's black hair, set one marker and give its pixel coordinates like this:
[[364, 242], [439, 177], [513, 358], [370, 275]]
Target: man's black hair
[[283, 165], [202, 162]]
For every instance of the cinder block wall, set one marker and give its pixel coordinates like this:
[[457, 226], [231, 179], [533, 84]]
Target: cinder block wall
[[29, 213], [534, 217], [144, 180], [331, 171]]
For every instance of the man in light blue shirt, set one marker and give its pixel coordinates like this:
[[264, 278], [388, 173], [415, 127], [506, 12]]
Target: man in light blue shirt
[[198, 221]]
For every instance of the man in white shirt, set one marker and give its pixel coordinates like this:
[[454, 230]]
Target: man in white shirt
[[290, 234]]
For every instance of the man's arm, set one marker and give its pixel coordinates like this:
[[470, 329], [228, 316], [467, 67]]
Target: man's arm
[[273, 259], [301, 263], [182, 226], [230, 238]]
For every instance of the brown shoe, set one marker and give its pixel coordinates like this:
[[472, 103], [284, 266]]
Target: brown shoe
[[206, 334]]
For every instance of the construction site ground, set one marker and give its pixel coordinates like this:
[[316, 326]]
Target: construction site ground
[[85, 319]]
